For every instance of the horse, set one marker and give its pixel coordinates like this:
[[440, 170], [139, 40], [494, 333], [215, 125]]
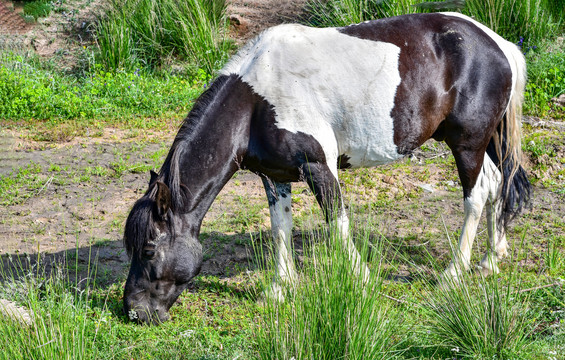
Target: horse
[[298, 103]]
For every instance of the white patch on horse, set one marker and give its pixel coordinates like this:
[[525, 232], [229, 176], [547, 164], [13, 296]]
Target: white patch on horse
[[337, 88], [281, 226]]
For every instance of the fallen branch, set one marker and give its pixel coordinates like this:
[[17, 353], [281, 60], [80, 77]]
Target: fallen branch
[[538, 288]]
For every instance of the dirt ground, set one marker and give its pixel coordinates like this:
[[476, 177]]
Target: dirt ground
[[83, 219]]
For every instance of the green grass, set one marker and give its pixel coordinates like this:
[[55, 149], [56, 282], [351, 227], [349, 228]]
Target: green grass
[[546, 80], [37, 9], [532, 20], [76, 318], [483, 318], [34, 91], [330, 313], [150, 33]]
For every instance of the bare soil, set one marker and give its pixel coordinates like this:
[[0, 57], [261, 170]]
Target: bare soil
[[82, 219]]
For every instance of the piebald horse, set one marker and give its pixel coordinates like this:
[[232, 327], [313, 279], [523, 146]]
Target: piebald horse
[[297, 103]]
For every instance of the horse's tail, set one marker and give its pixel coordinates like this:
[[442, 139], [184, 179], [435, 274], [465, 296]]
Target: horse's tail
[[505, 148]]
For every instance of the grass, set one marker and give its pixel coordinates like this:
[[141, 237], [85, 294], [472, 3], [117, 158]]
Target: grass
[[75, 318], [546, 80], [529, 20], [407, 315], [35, 91], [483, 318], [328, 313], [148, 33]]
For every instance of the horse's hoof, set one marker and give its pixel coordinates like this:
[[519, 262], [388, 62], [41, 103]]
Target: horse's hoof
[[487, 268], [501, 253], [275, 292]]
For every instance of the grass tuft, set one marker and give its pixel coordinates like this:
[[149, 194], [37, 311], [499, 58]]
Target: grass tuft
[[146, 33], [330, 313], [482, 318]]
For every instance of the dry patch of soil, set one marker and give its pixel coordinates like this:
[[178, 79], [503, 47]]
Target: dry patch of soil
[[88, 185]]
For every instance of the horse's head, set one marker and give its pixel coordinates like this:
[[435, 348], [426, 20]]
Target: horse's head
[[165, 255]]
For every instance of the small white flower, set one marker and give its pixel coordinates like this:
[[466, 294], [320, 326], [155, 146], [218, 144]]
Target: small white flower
[[187, 333], [455, 349], [132, 314]]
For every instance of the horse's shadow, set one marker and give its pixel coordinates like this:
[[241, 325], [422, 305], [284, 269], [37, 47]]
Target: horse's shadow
[[104, 266]]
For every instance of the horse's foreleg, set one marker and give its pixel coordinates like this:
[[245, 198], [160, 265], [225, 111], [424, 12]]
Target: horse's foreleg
[[279, 197], [325, 186]]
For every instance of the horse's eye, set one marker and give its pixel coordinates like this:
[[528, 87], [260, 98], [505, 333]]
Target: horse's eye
[[149, 253]]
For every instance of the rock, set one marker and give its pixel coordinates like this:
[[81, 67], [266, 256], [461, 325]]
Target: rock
[[559, 101], [16, 313], [239, 22], [427, 187]]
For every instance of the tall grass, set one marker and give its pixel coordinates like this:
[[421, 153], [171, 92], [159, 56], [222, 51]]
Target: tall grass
[[531, 20], [546, 80], [482, 318], [525, 21], [61, 320], [342, 13], [329, 313], [150, 32]]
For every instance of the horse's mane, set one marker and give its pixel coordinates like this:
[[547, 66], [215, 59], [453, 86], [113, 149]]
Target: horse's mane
[[140, 224]]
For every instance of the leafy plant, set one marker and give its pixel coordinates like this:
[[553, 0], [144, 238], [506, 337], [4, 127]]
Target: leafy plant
[[31, 91]]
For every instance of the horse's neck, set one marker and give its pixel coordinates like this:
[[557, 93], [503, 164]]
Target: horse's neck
[[213, 145]]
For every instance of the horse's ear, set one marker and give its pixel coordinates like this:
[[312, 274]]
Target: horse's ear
[[163, 200], [153, 177]]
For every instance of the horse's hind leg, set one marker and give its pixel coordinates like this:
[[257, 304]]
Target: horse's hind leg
[[476, 192], [325, 186], [279, 197], [496, 246]]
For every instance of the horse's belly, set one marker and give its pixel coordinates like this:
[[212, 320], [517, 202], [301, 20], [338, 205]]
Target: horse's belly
[[367, 146]]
